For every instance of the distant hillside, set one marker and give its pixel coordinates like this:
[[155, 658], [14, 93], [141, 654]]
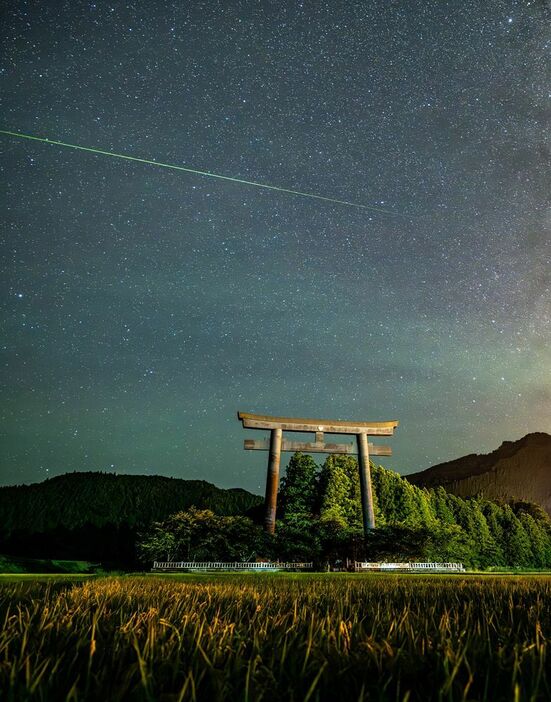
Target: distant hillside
[[519, 470], [96, 515]]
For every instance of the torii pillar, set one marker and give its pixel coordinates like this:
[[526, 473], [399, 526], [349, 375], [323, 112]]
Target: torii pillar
[[272, 481], [366, 491], [276, 444]]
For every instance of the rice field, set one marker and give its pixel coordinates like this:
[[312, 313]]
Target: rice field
[[275, 637]]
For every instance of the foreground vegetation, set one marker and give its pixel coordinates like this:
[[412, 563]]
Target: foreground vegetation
[[13, 564], [266, 637]]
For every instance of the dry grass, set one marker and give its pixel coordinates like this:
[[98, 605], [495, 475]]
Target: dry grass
[[272, 638]]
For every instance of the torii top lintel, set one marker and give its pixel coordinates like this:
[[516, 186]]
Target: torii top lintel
[[329, 426]]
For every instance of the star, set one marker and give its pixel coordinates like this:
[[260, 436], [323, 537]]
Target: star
[[143, 306]]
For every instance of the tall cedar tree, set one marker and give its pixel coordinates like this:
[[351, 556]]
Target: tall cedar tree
[[299, 488]]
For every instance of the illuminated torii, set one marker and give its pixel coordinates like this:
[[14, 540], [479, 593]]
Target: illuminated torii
[[276, 444]]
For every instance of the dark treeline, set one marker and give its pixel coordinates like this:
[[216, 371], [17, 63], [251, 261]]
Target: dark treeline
[[96, 516], [320, 519]]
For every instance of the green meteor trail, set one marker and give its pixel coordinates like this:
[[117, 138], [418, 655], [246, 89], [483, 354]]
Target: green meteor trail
[[208, 174]]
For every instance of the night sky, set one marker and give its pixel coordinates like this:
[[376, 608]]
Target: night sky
[[143, 307]]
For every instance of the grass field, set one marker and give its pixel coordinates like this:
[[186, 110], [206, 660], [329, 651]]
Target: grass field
[[275, 637], [12, 564]]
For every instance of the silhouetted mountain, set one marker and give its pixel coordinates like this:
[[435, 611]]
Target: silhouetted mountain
[[517, 470], [96, 516]]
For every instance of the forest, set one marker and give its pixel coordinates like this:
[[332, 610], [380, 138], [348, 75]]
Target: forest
[[96, 516], [319, 519], [127, 521]]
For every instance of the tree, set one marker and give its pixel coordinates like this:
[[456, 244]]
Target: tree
[[157, 544], [299, 489], [292, 542], [539, 540], [425, 509], [516, 543], [486, 546], [448, 542], [441, 507], [201, 535], [340, 498], [334, 487], [400, 542], [492, 514], [397, 498]]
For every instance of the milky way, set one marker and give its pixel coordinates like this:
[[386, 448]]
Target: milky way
[[141, 310]]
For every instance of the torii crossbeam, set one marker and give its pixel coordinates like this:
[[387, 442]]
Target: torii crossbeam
[[277, 425]]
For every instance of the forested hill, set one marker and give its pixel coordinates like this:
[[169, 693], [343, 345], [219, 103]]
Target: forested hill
[[75, 499], [518, 470], [96, 515]]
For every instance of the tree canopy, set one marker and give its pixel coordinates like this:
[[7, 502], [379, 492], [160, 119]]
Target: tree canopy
[[415, 522], [319, 519]]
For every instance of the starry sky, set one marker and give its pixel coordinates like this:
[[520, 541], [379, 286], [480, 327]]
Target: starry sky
[[143, 307]]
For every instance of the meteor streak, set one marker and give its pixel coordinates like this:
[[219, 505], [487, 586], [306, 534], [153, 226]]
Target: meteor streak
[[208, 174]]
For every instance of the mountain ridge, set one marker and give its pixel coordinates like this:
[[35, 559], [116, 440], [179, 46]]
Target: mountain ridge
[[518, 470]]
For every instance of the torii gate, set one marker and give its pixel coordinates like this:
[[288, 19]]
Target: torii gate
[[276, 444]]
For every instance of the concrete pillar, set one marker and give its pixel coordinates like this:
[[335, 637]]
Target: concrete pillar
[[272, 481], [368, 514]]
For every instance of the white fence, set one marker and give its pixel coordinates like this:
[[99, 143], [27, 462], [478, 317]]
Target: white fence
[[263, 566], [219, 565], [411, 567]]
